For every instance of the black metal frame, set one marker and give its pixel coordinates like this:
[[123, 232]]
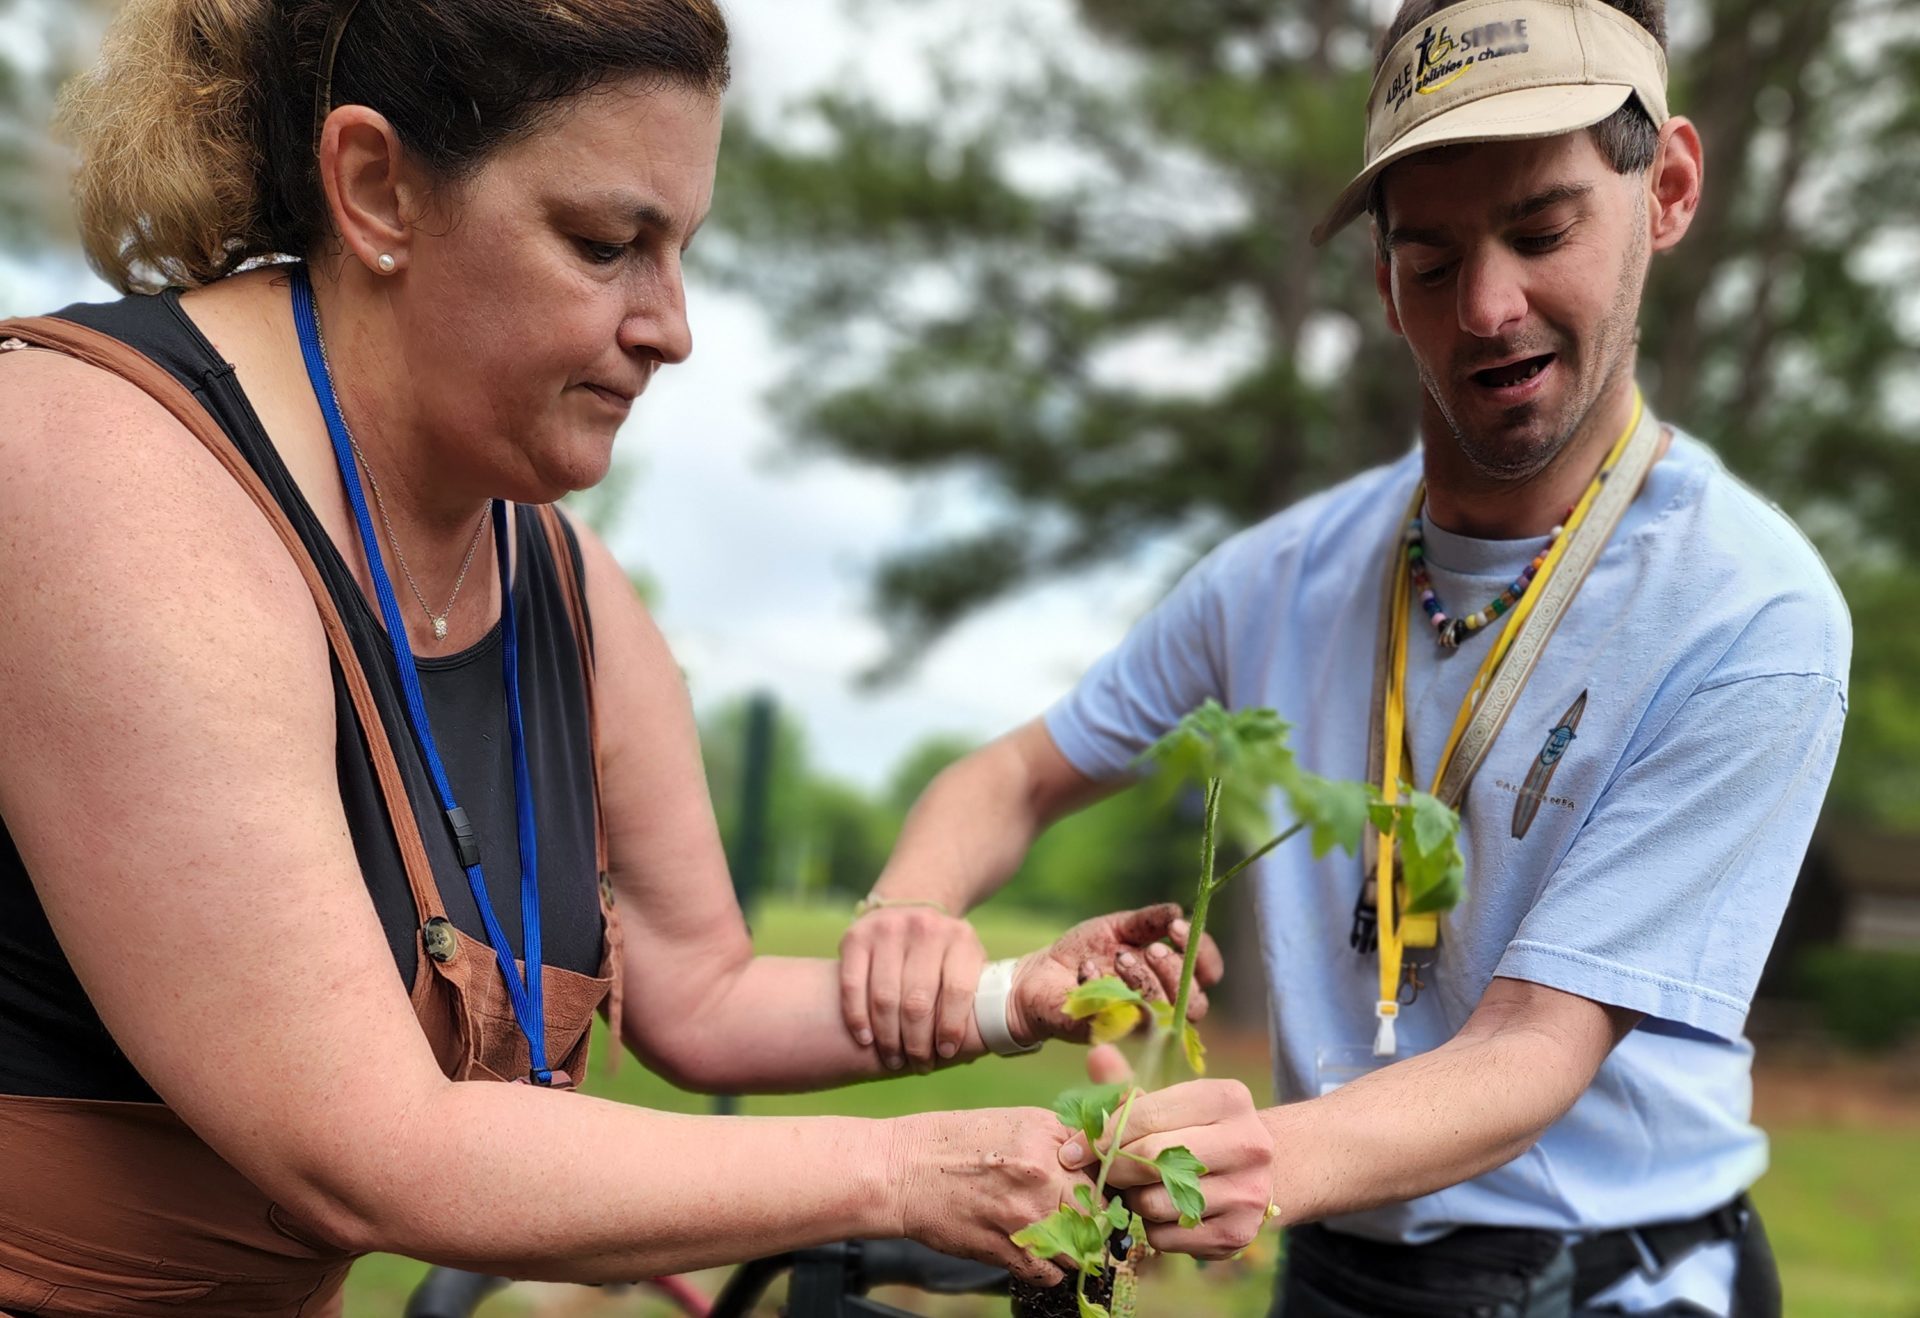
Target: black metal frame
[[829, 1281]]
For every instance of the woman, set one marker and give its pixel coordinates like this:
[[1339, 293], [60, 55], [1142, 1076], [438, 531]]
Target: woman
[[237, 797]]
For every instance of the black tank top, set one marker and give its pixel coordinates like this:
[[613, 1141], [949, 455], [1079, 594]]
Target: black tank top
[[52, 1042]]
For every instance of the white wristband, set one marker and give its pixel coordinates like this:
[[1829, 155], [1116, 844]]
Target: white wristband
[[990, 1009]]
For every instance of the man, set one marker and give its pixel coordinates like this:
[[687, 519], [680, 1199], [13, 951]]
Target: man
[[1538, 1104]]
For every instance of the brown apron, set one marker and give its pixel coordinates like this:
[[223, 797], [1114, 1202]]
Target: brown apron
[[125, 1212]]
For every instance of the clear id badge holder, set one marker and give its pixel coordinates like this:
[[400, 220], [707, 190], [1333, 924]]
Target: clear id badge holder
[[1336, 1064]]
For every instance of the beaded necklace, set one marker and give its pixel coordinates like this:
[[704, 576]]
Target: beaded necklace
[[1451, 631]]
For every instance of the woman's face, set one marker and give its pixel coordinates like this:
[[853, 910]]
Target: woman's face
[[537, 309]]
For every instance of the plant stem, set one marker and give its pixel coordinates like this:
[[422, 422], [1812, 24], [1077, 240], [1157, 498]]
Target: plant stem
[[1265, 847], [1197, 924], [1106, 1165]]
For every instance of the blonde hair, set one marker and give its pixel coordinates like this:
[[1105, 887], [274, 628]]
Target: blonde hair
[[167, 191], [195, 130]]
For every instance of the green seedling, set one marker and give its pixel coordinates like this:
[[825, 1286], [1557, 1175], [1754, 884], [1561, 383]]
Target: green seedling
[[1237, 760]]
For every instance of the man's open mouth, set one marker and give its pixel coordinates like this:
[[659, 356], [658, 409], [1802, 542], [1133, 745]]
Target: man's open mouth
[[1513, 373]]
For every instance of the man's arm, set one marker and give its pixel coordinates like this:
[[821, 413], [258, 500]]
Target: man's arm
[[902, 967], [704, 1010], [1473, 1104], [971, 828]]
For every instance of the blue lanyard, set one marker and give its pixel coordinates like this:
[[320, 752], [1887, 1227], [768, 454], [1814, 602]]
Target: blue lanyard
[[529, 1007]]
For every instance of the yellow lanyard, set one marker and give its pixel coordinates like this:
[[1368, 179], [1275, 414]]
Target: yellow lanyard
[[1397, 932]]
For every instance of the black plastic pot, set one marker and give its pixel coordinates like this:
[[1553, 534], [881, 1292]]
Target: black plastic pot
[[1030, 1301]]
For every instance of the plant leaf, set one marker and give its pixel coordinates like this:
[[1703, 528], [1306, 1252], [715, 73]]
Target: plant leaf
[[1337, 812], [1431, 890], [1066, 1232], [1246, 749], [1112, 1005], [1086, 1109], [1434, 826], [1195, 1050], [1430, 860], [1084, 1193], [1162, 1014], [1117, 1215], [1090, 1308], [1180, 1172]]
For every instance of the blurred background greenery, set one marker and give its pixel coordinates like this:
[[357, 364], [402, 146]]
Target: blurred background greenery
[[1068, 271]]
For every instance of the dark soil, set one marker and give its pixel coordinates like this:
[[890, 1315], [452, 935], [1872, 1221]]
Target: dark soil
[[1029, 1301]]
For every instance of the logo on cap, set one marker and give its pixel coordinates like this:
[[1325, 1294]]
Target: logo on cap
[[1443, 58]]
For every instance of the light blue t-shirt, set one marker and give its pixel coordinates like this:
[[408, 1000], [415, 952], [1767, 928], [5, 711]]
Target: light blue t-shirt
[[1711, 646]]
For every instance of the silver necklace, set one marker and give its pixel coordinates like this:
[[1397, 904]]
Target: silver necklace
[[439, 620]]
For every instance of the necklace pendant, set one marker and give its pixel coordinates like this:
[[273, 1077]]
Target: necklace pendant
[[439, 629]]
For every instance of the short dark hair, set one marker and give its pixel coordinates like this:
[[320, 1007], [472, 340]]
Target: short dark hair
[[1628, 138]]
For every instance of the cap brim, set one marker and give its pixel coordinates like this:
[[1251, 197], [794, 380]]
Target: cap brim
[[1505, 117]]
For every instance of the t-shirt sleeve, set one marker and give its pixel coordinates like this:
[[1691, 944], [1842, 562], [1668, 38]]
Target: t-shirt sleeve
[[1169, 663], [1669, 900]]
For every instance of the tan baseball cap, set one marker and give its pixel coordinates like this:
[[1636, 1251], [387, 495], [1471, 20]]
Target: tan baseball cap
[[1496, 70]]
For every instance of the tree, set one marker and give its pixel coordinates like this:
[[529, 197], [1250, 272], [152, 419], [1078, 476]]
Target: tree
[[57, 40], [985, 280], [821, 836]]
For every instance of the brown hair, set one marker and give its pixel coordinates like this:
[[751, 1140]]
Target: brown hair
[[196, 128], [1627, 138]]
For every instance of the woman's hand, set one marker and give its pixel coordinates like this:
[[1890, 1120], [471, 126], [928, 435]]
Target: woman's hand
[[1217, 1122], [1129, 945], [907, 976], [968, 1180]]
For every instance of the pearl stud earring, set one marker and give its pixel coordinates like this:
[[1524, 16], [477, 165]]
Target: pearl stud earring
[[387, 264]]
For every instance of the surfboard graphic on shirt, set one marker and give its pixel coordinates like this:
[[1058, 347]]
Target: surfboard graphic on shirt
[[1534, 790]]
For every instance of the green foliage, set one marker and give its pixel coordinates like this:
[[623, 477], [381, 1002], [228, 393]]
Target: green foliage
[[48, 43], [1180, 1172], [1238, 756], [1867, 999], [1246, 750], [1109, 856], [823, 836], [1195, 1051], [1069, 1232], [1430, 861], [1114, 1007], [1086, 1109], [1339, 811], [1878, 777]]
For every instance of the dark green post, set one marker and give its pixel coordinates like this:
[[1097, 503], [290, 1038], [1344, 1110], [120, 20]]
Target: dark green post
[[756, 790], [749, 843]]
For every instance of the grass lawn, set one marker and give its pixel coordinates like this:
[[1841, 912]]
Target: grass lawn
[[1842, 1202]]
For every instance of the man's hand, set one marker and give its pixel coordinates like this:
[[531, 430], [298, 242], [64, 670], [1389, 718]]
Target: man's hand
[[1217, 1122], [1129, 945], [907, 976]]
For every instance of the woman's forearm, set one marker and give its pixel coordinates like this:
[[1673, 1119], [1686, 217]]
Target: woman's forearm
[[518, 1181], [774, 1026]]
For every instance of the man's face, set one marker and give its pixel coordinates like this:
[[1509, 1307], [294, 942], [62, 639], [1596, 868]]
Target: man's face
[[1514, 271]]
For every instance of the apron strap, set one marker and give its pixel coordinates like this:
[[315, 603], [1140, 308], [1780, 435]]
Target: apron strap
[[109, 354], [573, 590]]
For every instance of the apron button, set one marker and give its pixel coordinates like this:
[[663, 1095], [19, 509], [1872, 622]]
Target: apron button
[[441, 942]]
